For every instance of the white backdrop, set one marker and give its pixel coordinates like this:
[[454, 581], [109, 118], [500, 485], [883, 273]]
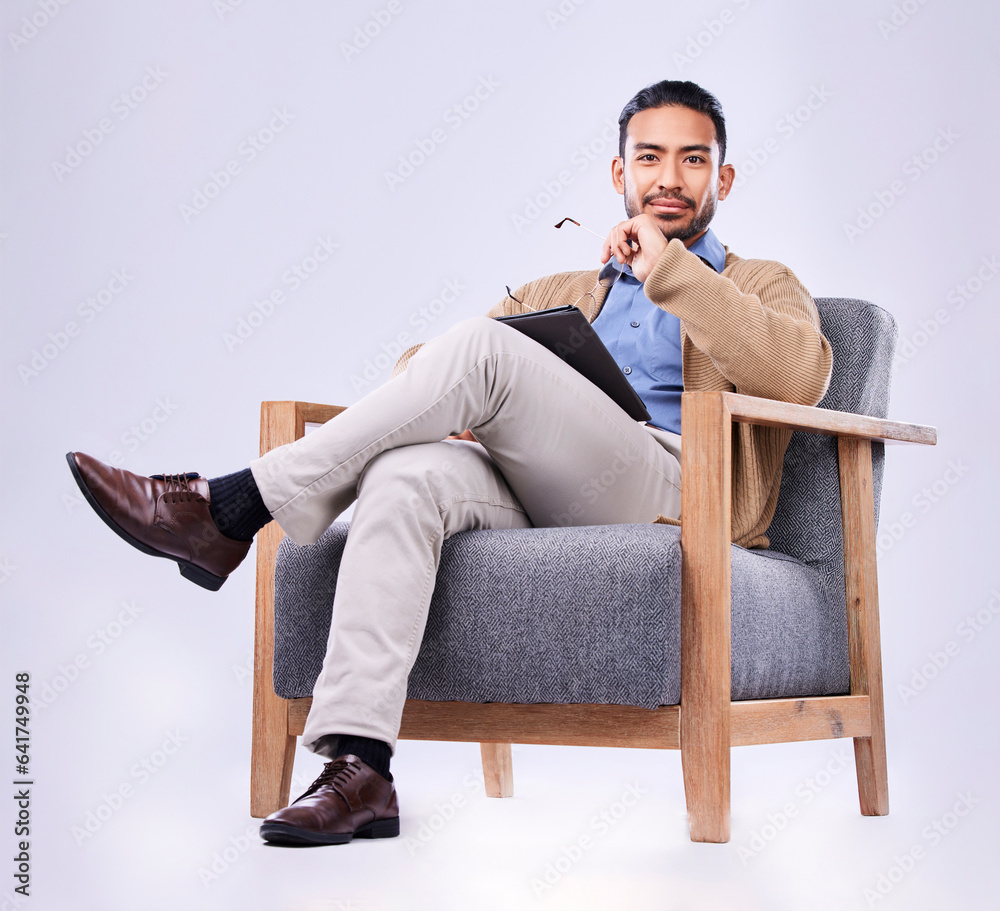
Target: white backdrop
[[210, 204]]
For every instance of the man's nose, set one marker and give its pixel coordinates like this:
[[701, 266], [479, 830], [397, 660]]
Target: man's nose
[[669, 176]]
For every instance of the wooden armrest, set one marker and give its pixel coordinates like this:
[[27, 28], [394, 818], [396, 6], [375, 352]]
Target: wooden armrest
[[277, 418], [706, 603], [285, 422], [317, 414], [769, 413]]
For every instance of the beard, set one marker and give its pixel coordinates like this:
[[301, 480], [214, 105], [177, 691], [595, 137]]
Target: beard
[[699, 222]]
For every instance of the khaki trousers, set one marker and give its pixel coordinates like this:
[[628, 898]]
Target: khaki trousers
[[554, 450]]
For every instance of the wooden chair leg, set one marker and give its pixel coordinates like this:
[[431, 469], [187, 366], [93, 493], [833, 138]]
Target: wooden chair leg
[[705, 614], [873, 774], [857, 498], [272, 756], [273, 748], [498, 769]]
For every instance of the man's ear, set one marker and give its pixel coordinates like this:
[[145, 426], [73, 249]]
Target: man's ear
[[618, 174], [727, 174]]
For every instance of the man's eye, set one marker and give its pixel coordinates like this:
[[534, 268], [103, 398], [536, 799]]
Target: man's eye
[[696, 158]]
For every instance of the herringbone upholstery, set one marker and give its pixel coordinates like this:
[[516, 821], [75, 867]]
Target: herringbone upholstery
[[593, 614], [807, 523]]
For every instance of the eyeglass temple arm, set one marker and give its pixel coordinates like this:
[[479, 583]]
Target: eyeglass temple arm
[[631, 243], [575, 222]]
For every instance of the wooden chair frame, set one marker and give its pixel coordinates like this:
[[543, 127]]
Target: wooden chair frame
[[706, 723]]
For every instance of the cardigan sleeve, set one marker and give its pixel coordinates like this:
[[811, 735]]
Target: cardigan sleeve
[[757, 323]]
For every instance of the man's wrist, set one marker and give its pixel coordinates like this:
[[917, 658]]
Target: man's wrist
[[662, 278]]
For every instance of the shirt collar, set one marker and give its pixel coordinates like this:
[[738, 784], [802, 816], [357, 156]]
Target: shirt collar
[[708, 248]]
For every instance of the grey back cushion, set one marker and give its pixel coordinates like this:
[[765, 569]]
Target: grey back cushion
[[807, 522], [592, 614]]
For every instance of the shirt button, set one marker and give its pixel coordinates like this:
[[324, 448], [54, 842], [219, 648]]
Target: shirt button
[[626, 370], [635, 324]]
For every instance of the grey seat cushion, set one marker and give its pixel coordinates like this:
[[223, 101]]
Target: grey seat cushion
[[514, 620], [592, 614]]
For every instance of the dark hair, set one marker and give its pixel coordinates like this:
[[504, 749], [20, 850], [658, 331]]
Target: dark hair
[[681, 94]]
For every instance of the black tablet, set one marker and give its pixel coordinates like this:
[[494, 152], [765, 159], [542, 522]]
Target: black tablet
[[566, 333]]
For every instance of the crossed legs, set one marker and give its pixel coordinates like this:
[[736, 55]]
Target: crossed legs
[[555, 450]]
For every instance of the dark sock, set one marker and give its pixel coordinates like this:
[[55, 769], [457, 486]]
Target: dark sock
[[236, 506], [375, 753]]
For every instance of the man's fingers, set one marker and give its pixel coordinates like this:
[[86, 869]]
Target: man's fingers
[[624, 248], [618, 243], [621, 242], [611, 244]]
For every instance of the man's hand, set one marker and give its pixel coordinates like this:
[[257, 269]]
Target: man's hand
[[464, 435], [649, 244]]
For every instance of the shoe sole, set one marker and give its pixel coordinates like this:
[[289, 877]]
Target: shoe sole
[[281, 833], [188, 570]]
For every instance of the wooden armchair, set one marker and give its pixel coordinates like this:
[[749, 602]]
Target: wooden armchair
[[706, 722]]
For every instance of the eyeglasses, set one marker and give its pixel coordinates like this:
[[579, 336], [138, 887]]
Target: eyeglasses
[[590, 293]]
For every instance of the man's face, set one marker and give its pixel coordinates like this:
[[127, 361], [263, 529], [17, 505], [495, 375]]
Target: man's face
[[671, 171]]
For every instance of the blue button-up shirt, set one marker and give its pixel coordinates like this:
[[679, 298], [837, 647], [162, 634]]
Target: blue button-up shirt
[[645, 340]]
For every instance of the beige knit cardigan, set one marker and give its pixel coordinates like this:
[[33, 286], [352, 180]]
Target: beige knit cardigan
[[752, 329]]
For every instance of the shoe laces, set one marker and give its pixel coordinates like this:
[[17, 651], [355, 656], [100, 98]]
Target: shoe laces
[[178, 483], [337, 771]]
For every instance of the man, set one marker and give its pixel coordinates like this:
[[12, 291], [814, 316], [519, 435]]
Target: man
[[482, 427]]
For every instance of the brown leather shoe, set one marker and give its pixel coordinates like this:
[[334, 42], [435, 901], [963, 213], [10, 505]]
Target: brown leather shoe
[[349, 799], [163, 516]]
